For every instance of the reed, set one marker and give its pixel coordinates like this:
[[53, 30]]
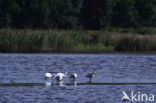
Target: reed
[[12, 40]]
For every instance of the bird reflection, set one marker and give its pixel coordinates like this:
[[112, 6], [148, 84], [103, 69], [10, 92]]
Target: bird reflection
[[48, 84]]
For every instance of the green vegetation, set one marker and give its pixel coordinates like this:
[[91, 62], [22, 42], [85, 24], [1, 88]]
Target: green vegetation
[[77, 25], [77, 14], [136, 43], [12, 40]]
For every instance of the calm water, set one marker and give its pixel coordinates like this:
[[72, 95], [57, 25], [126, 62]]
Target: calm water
[[112, 68]]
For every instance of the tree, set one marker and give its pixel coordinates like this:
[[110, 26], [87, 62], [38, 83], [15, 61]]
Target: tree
[[5, 13], [96, 14], [146, 12], [124, 14], [65, 13]]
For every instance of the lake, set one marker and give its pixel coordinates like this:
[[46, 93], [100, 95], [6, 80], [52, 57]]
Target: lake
[[22, 77]]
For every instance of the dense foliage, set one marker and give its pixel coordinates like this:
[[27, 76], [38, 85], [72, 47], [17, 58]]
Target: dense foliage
[[77, 14]]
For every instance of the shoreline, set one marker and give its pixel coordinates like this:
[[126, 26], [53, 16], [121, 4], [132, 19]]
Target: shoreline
[[83, 52]]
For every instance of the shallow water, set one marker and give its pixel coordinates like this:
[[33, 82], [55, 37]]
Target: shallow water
[[111, 68]]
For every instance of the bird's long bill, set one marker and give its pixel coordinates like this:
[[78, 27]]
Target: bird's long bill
[[53, 75]]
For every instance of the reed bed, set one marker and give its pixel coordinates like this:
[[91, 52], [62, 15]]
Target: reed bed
[[12, 40]]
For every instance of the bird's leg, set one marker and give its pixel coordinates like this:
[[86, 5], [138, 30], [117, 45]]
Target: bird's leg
[[90, 80], [59, 80], [73, 80]]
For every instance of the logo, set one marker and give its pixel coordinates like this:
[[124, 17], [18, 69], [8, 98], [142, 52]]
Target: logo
[[137, 97]]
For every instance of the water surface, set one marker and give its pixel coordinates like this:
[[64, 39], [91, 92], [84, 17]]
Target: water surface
[[112, 68]]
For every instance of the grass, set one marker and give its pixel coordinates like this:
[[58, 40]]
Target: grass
[[13, 40], [96, 47]]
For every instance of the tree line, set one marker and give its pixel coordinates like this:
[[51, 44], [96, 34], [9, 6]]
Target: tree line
[[77, 14]]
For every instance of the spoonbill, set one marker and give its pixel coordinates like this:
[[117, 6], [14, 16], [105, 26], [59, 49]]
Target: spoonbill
[[72, 76], [48, 75], [59, 76]]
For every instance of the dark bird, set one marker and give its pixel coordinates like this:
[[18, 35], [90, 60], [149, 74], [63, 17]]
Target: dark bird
[[91, 75]]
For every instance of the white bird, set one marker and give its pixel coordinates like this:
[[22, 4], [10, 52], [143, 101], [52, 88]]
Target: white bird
[[91, 75], [72, 76], [48, 75], [59, 76]]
